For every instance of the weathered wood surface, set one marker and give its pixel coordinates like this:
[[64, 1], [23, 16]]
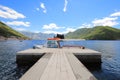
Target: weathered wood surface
[[32, 55], [80, 71], [58, 68], [58, 64], [36, 71], [51, 50]]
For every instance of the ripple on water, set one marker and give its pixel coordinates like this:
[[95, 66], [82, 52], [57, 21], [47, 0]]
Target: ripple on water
[[110, 50]]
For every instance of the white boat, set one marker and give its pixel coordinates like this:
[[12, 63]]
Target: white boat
[[38, 46], [51, 43]]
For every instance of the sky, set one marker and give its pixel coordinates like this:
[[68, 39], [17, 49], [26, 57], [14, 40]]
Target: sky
[[59, 16]]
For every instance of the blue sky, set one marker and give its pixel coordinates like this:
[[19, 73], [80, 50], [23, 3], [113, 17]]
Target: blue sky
[[59, 16]]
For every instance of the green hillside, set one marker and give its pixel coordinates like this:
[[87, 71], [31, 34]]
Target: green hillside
[[96, 33], [8, 32]]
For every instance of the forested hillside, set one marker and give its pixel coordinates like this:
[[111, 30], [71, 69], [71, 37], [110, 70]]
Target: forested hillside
[[7, 32], [95, 33]]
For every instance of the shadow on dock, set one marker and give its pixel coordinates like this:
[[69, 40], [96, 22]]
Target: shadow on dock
[[28, 60], [92, 66]]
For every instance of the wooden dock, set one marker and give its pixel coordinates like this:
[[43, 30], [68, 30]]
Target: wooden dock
[[58, 63]]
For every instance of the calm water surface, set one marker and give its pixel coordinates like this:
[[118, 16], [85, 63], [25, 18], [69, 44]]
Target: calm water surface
[[110, 68]]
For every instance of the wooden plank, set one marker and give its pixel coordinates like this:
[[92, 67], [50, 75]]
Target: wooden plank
[[80, 71], [35, 72], [58, 64], [47, 73], [58, 68], [65, 64], [50, 50]]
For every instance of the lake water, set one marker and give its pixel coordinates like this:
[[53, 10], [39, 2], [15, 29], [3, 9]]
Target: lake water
[[110, 68]]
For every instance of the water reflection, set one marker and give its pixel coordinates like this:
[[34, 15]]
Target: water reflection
[[8, 67], [108, 70], [110, 67]]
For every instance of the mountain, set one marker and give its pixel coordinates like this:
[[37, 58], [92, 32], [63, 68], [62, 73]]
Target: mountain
[[38, 36], [95, 33], [7, 32]]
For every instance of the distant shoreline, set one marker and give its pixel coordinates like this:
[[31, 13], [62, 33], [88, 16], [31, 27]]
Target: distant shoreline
[[72, 39], [11, 38], [7, 39]]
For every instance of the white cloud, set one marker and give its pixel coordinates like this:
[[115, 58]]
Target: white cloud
[[19, 23], [43, 7], [20, 29], [107, 21], [65, 5], [69, 30], [86, 26], [6, 12], [51, 26], [37, 9], [50, 31], [36, 31], [60, 32], [111, 20], [115, 14]]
